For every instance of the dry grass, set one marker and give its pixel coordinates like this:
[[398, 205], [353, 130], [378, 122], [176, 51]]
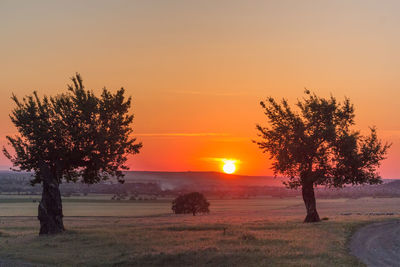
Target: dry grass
[[258, 234]]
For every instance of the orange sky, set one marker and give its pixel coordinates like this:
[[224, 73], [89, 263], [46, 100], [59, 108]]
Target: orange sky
[[198, 69]]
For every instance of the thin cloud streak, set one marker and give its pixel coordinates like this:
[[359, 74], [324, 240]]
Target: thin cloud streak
[[207, 93], [180, 134], [221, 159]]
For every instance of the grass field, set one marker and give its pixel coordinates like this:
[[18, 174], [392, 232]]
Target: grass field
[[247, 232]]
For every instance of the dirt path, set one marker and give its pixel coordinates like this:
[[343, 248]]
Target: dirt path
[[378, 244]]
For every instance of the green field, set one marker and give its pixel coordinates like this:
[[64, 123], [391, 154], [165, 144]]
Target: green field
[[247, 232]]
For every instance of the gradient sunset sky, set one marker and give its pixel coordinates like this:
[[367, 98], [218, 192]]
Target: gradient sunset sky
[[198, 69]]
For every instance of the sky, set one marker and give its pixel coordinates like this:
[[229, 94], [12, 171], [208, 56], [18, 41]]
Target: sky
[[197, 70]]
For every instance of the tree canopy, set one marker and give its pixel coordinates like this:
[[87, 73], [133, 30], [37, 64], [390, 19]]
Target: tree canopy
[[77, 135], [190, 203], [316, 145]]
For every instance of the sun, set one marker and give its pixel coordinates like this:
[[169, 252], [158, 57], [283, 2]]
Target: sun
[[229, 166]]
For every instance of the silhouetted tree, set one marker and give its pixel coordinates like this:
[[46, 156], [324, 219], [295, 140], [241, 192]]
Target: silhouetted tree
[[190, 203], [70, 137], [316, 146]]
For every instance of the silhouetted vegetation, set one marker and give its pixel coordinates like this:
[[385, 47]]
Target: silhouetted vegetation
[[139, 185], [316, 146], [190, 203], [75, 136]]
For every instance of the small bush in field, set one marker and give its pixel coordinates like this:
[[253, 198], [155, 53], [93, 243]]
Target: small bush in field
[[190, 203]]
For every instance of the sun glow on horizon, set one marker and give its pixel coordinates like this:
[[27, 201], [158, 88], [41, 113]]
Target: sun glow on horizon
[[229, 166]]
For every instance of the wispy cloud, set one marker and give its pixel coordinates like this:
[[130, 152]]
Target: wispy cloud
[[222, 160], [181, 134], [188, 92], [233, 139], [214, 137]]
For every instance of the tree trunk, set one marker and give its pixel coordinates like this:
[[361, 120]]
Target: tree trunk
[[309, 200], [50, 206]]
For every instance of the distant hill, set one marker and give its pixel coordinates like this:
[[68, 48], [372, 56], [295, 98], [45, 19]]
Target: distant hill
[[211, 183], [144, 181], [173, 180]]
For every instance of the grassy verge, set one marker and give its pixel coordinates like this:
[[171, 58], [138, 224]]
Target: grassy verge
[[172, 241]]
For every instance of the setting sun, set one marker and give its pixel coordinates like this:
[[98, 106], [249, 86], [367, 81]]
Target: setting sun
[[202, 133], [229, 166]]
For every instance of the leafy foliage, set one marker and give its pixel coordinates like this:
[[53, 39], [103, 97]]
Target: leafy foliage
[[77, 135], [317, 145], [190, 203]]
